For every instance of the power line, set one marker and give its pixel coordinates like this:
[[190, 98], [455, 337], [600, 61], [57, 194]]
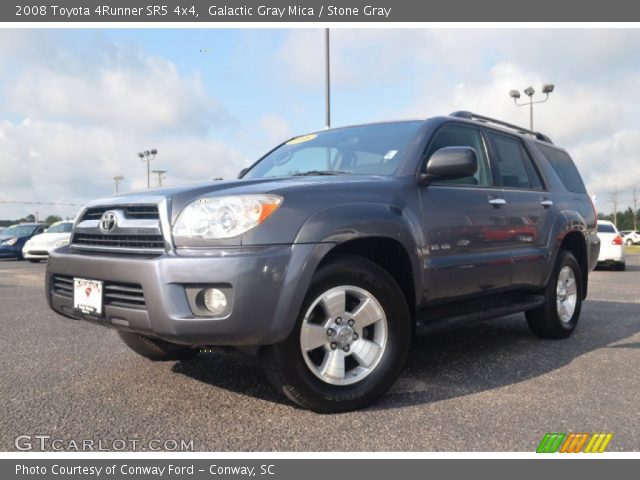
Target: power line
[[14, 202]]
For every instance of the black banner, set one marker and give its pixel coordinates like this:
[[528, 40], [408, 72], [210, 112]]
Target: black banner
[[316, 469], [317, 11]]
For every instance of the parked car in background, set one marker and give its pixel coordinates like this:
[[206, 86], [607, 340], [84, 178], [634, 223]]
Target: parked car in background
[[13, 238], [630, 237], [2, 229], [611, 246], [39, 246]]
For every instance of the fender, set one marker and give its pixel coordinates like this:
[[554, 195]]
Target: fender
[[329, 228], [567, 221], [342, 223]]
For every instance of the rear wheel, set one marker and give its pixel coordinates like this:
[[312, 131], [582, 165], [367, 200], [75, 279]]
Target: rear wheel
[[156, 349], [558, 316], [350, 342], [628, 242], [34, 260]]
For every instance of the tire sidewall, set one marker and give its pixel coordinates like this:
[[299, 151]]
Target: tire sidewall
[[370, 277], [565, 259]]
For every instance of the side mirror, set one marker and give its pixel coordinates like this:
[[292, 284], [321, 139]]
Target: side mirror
[[242, 172], [450, 163]]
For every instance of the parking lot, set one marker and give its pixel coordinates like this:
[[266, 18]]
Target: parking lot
[[489, 386]]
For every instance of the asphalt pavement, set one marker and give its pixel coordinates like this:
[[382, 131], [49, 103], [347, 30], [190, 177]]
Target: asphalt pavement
[[489, 386]]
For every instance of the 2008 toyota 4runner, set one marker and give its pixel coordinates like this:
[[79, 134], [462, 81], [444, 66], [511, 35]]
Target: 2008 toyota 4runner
[[335, 248]]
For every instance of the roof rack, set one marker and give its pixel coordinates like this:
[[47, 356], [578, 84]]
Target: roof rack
[[482, 118]]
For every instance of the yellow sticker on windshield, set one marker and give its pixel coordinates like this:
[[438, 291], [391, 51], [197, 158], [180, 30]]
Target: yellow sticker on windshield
[[304, 138]]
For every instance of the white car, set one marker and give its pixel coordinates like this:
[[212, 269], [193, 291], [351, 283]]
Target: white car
[[630, 237], [611, 246], [38, 247]]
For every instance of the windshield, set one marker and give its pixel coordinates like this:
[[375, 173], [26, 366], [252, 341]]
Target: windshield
[[606, 228], [64, 227], [18, 231], [364, 150]]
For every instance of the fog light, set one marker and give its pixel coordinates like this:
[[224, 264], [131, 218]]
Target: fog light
[[215, 300]]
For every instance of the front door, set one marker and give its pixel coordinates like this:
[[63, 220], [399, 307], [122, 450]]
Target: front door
[[465, 223]]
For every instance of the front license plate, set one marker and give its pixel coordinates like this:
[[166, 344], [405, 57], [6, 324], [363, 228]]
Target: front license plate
[[87, 296]]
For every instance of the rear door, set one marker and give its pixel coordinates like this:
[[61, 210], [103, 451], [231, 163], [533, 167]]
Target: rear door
[[529, 208], [464, 222]]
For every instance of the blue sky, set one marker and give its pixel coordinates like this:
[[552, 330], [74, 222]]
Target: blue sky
[[76, 105]]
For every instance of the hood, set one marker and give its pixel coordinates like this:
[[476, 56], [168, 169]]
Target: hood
[[49, 238], [183, 195]]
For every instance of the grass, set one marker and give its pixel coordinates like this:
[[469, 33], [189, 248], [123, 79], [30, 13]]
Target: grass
[[632, 249]]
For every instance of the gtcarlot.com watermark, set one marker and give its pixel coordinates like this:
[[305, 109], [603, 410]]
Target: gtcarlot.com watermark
[[45, 443]]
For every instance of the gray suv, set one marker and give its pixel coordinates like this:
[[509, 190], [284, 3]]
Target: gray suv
[[333, 250]]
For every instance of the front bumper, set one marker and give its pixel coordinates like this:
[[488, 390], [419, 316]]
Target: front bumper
[[39, 253], [268, 284], [10, 251]]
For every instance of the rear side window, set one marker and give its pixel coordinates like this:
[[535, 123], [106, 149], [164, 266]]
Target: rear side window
[[565, 168], [514, 163], [606, 228]]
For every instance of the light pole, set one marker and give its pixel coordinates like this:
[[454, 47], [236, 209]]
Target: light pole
[[327, 79], [117, 179], [529, 92], [147, 156], [160, 174]]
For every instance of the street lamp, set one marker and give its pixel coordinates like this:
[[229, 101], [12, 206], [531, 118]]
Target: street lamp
[[547, 88], [327, 79], [147, 156], [117, 179], [160, 174]]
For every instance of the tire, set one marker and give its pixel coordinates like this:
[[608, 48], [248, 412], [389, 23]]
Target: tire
[[156, 349], [546, 321], [34, 260], [380, 339], [621, 267], [628, 242]]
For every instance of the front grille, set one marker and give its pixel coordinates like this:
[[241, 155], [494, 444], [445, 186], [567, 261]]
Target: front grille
[[137, 230], [119, 241], [62, 285], [133, 212], [126, 295]]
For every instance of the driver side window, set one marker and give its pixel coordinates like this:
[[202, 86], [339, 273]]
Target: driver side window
[[461, 136]]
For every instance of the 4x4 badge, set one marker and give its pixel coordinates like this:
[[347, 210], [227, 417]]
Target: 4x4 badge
[[108, 222]]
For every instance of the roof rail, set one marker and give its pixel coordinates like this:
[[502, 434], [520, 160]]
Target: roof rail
[[482, 118]]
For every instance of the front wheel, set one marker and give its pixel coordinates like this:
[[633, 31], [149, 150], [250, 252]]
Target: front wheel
[[350, 342], [558, 316]]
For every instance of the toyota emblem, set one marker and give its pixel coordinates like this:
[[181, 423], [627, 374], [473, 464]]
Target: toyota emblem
[[108, 222]]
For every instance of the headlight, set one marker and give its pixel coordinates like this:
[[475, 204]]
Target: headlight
[[11, 241], [224, 217], [61, 243]]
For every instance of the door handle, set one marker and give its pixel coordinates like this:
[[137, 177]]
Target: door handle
[[496, 202], [546, 203]]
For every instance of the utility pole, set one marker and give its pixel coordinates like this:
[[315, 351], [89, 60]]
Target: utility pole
[[117, 179], [634, 200], [147, 156], [614, 197], [160, 175], [327, 79]]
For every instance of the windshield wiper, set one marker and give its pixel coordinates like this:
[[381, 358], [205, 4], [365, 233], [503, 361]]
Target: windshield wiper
[[320, 172]]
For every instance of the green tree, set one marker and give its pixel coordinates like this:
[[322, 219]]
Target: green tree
[[51, 219]]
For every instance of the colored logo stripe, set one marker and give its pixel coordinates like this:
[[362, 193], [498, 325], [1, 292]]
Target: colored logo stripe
[[554, 442], [598, 442], [550, 443]]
